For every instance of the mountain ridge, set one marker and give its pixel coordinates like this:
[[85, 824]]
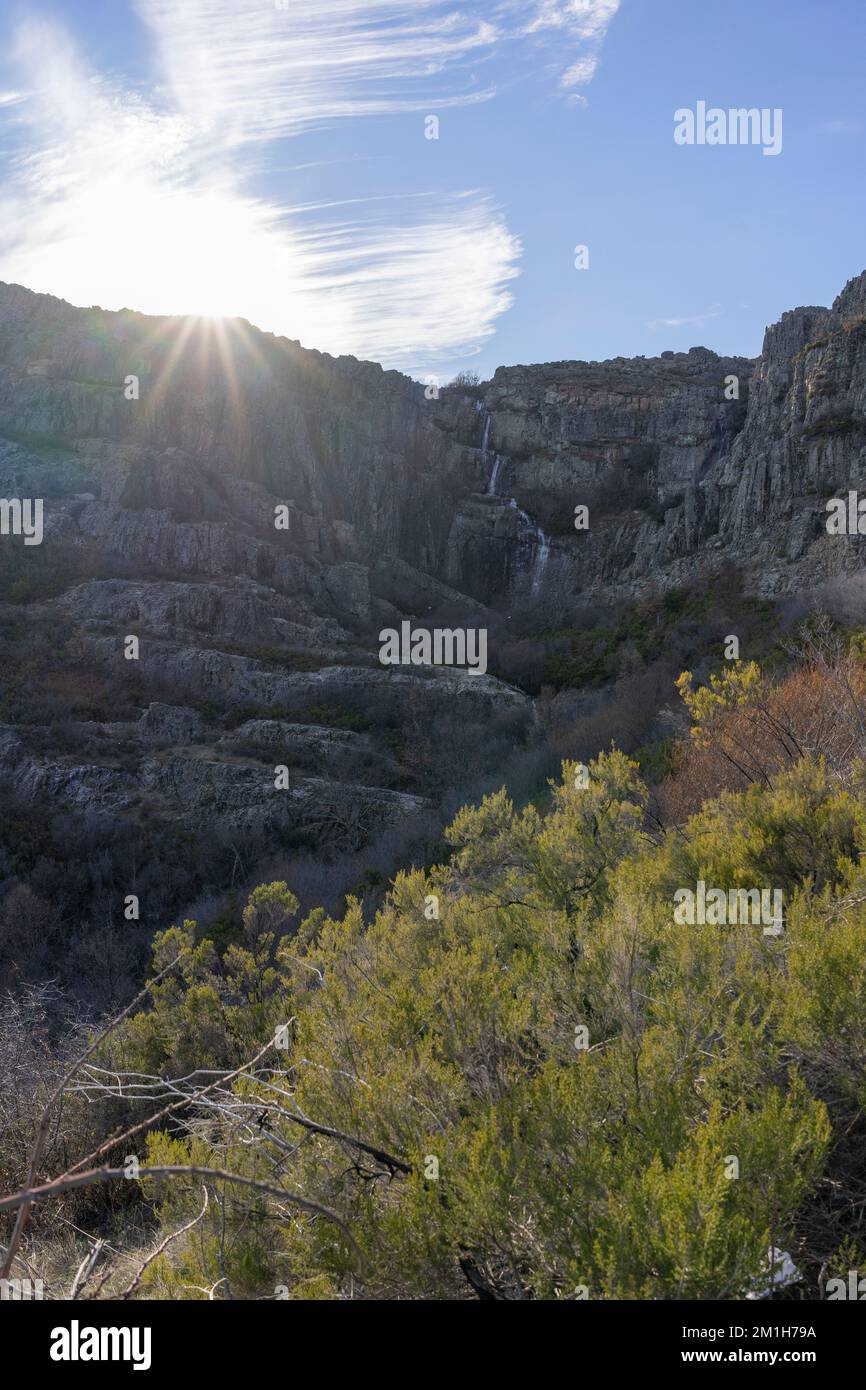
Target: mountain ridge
[[258, 643], [367, 455]]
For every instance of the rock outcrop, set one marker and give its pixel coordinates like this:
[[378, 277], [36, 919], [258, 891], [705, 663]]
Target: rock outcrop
[[253, 513]]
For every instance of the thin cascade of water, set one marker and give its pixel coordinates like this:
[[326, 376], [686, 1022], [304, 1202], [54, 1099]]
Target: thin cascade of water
[[493, 482], [526, 520], [539, 563], [486, 436], [534, 536], [539, 542]]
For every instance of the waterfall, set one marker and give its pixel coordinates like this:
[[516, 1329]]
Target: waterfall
[[494, 476], [486, 436], [539, 543], [539, 563]]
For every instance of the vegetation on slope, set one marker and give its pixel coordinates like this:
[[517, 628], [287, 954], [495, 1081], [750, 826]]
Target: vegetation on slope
[[523, 1078]]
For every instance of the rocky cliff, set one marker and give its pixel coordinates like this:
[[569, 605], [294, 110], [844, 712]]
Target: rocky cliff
[[694, 459], [253, 513], [399, 498]]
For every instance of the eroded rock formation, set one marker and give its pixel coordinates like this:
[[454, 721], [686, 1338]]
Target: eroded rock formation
[[164, 448]]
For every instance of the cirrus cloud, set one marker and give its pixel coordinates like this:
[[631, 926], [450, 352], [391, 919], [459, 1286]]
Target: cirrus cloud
[[140, 197]]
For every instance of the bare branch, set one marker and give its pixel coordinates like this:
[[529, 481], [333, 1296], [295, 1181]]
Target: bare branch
[[133, 1286], [42, 1131], [28, 1196]]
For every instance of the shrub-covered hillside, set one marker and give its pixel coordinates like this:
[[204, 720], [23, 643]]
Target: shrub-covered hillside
[[524, 1078]]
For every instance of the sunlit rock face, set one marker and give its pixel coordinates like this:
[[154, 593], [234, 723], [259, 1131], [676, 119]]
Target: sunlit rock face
[[803, 441], [686, 456], [638, 441], [166, 450], [705, 459]]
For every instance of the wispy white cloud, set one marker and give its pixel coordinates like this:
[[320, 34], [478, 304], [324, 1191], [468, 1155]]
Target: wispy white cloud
[[584, 19], [246, 70], [583, 23], [687, 320], [258, 71], [121, 201]]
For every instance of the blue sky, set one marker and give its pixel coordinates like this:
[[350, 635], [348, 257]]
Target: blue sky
[[228, 156]]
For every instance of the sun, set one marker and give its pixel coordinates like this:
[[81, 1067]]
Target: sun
[[138, 242]]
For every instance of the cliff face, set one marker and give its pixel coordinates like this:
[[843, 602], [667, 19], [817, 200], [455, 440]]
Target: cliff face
[[700, 467], [803, 440], [163, 448], [638, 441], [379, 477]]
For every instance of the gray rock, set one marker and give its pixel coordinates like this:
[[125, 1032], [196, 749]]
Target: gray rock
[[161, 513]]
